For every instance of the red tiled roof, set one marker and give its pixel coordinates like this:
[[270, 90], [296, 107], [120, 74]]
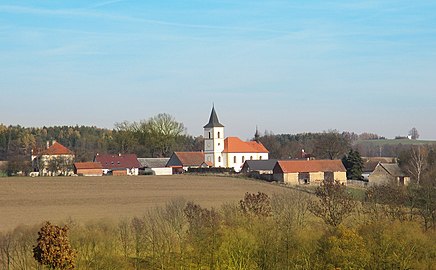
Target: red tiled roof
[[294, 166], [56, 149], [236, 145], [88, 165], [110, 161], [190, 158]]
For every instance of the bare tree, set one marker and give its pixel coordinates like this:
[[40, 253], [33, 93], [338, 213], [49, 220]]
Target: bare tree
[[331, 145], [417, 162], [334, 203]]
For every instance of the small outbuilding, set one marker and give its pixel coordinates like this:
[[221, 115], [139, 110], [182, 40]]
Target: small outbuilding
[[264, 166], [182, 161], [297, 172], [386, 173], [88, 168], [155, 166]]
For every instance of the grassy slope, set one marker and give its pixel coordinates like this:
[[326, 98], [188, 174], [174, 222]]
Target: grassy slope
[[393, 142]]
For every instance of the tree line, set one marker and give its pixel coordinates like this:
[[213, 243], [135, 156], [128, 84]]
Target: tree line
[[392, 228]]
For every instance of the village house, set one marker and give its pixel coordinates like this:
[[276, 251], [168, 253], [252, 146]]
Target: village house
[[388, 173], [229, 152], [88, 168], [119, 164], [182, 161], [56, 159], [297, 172]]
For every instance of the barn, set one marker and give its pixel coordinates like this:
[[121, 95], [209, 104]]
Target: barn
[[88, 168], [297, 172]]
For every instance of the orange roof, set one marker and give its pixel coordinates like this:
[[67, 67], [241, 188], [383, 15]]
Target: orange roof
[[236, 145], [88, 165], [295, 166], [56, 149]]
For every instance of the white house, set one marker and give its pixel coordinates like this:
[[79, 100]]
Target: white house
[[229, 152]]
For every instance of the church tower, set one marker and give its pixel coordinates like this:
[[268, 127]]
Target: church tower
[[214, 141]]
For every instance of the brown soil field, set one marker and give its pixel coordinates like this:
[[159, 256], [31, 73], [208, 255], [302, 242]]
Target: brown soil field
[[30, 201]]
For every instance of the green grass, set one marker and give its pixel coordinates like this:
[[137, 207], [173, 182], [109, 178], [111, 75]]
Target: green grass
[[358, 193], [393, 142]]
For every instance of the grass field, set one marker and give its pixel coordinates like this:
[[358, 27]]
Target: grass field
[[30, 201], [393, 142]]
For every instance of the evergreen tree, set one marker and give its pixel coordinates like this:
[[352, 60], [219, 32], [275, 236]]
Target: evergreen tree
[[354, 164]]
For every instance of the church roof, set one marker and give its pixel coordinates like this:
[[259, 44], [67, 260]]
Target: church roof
[[213, 120], [236, 145]]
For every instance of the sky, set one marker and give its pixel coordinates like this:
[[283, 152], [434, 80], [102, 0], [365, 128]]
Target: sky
[[283, 66]]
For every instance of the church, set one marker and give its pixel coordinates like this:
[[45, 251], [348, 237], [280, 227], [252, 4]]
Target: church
[[230, 152]]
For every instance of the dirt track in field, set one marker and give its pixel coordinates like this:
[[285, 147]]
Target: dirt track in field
[[30, 201]]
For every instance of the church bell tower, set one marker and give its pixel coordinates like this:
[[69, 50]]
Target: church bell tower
[[214, 141]]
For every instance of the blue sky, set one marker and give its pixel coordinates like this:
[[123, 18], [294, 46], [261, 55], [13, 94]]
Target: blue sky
[[285, 66]]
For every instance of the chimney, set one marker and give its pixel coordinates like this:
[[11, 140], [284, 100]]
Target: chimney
[[48, 144], [119, 154]]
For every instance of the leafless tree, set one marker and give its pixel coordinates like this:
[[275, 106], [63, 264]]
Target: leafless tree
[[334, 204], [417, 162]]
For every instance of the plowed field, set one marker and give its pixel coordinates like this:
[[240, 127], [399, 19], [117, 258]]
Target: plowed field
[[29, 201]]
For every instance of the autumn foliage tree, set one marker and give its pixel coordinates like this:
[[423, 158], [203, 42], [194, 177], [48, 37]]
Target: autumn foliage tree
[[53, 248], [256, 204]]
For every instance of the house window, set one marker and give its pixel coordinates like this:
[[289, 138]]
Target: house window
[[251, 157], [209, 135], [209, 159], [243, 159], [260, 157], [234, 159], [219, 159], [218, 134]]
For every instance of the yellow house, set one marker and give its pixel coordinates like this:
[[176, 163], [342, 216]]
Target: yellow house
[[56, 159], [296, 172]]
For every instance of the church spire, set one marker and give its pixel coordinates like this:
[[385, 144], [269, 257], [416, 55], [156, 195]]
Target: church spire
[[213, 120], [256, 135]]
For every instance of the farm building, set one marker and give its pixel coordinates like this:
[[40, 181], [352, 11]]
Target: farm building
[[259, 166], [229, 152], [155, 166], [182, 161], [297, 172], [370, 163], [88, 168], [386, 173], [56, 159], [120, 164]]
